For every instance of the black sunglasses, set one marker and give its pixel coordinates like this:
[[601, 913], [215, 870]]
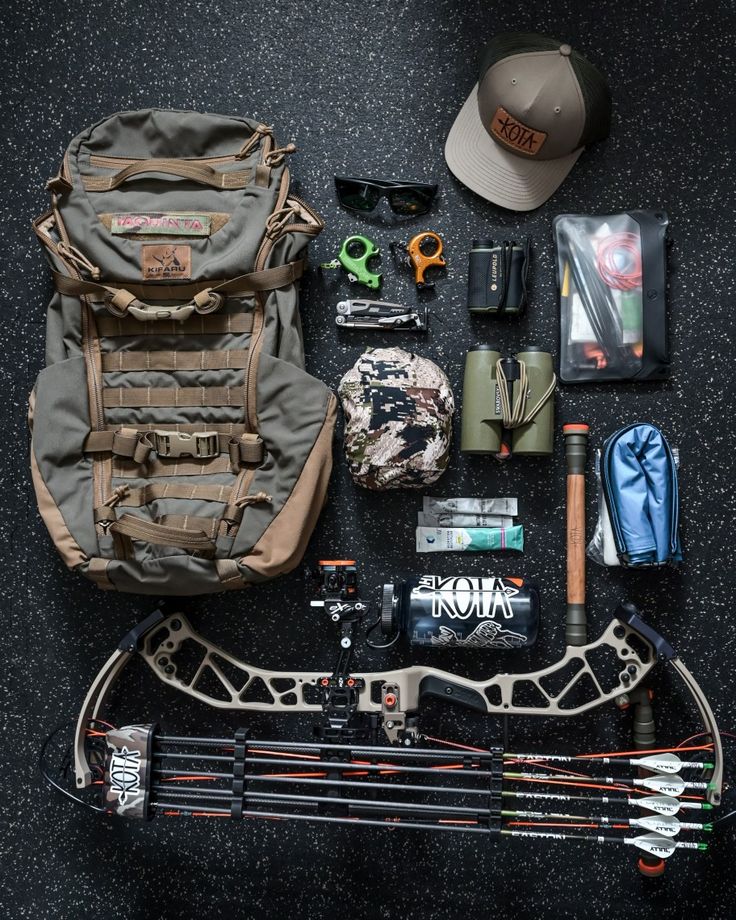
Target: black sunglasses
[[405, 198]]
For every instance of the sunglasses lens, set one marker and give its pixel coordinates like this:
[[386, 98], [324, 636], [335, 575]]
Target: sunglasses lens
[[410, 201], [358, 196]]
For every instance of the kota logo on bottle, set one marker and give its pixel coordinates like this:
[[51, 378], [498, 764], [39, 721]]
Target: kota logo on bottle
[[462, 597], [166, 262], [515, 135]]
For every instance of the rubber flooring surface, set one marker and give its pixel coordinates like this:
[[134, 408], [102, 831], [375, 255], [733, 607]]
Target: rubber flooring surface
[[373, 90]]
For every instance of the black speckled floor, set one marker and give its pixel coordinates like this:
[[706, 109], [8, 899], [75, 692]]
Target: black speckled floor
[[374, 88]]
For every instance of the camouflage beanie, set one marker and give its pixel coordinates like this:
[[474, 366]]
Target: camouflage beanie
[[398, 420]]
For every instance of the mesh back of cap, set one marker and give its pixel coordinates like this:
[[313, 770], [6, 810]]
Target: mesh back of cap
[[597, 97]]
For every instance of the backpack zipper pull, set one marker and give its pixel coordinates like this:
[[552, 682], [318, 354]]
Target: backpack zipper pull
[[255, 138], [278, 220], [67, 251], [253, 499], [276, 156], [116, 496], [233, 513], [104, 515]]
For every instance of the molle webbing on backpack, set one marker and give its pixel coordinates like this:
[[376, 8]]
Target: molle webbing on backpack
[[230, 324], [176, 435], [174, 360]]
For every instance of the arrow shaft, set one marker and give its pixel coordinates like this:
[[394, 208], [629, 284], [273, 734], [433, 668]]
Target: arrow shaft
[[666, 825], [662, 804], [650, 843], [663, 764], [647, 782], [566, 835]]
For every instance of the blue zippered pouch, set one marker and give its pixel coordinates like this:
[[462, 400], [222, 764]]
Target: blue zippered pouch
[[639, 484]]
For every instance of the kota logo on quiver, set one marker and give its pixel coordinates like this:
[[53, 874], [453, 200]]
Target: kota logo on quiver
[[125, 774]]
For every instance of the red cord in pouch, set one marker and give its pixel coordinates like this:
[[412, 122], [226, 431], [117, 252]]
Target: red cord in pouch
[[614, 251]]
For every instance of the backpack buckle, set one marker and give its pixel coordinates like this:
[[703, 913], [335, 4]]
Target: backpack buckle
[[200, 444], [149, 313]]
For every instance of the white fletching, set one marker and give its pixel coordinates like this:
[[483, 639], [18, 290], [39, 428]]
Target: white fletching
[[654, 844], [662, 804], [667, 785], [666, 825], [659, 763]]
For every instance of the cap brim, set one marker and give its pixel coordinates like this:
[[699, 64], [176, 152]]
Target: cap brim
[[515, 182]]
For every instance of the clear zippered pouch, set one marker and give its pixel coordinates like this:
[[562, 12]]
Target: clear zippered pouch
[[611, 274]]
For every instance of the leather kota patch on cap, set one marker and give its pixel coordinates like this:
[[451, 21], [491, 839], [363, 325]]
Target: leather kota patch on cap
[[166, 262], [162, 223], [515, 135]]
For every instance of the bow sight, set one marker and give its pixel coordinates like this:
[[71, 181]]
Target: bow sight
[[336, 589]]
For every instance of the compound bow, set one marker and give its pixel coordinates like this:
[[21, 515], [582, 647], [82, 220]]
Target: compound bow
[[144, 772]]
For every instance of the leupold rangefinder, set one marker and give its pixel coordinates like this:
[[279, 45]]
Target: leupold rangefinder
[[497, 276], [508, 403]]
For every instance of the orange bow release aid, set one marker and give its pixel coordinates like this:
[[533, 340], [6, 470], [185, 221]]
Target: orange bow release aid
[[423, 251]]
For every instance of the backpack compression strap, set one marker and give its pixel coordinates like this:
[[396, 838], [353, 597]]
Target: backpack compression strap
[[121, 302]]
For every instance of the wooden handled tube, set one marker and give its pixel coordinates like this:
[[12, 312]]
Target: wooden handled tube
[[576, 443]]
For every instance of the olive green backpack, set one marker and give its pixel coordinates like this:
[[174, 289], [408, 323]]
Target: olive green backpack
[[178, 445]]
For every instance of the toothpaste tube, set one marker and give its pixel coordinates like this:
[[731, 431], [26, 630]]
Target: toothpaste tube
[[507, 506], [473, 539], [448, 519]]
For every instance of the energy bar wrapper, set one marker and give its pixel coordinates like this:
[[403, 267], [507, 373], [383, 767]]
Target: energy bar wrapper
[[507, 506], [449, 519], [469, 539]]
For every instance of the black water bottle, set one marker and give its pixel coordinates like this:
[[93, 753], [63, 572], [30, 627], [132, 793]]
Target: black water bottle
[[462, 611]]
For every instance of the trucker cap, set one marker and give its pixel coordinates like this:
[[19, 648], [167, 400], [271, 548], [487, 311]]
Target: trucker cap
[[536, 105]]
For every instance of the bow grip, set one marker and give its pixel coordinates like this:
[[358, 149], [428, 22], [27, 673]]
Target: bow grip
[[433, 687]]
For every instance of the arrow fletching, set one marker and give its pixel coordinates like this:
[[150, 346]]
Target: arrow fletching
[[662, 804], [666, 825], [654, 844], [667, 785], [660, 763], [657, 845]]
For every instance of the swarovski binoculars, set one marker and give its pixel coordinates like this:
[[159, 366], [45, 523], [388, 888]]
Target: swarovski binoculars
[[508, 403]]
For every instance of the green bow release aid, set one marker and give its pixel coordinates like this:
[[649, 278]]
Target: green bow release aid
[[354, 255]]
